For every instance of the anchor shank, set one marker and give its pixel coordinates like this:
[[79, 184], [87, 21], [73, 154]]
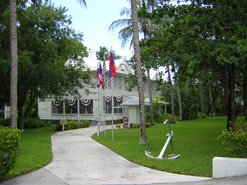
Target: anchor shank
[[165, 145]]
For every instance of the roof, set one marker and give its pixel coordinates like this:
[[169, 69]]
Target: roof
[[164, 102], [122, 67], [133, 101], [91, 63]]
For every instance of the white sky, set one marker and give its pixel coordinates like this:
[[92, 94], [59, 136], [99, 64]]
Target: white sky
[[94, 22]]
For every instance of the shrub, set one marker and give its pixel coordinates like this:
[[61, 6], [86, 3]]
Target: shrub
[[148, 124], [132, 125], [125, 126], [160, 118], [84, 123], [4, 122], [235, 142], [73, 124], [9, 148], [35, 123], [201, 115], [118, 126]]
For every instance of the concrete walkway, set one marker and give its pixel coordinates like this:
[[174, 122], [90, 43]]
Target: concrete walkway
[[79, 160]]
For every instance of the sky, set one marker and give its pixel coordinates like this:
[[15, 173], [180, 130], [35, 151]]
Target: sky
[[94, 22]]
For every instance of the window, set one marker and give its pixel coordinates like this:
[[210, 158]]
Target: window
[[118, 82], [107, 101], [117, 101], [71, 107], [86, 106], [57, 107]]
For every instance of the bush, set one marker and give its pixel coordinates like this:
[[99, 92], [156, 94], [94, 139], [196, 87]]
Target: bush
[[201, 115], [35, 123], [73, 124], [235, 142], [160, 118], [148, 124], [9, 148], [4, 122]]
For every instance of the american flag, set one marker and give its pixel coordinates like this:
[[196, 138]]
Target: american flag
[[103, 74]]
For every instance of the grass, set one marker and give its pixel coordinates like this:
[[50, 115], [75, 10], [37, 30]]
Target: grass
[[195, 140], [35, 150]]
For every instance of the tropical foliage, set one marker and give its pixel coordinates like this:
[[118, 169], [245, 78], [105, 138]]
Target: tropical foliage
[[46, 42], [9, 148], [203, 44]]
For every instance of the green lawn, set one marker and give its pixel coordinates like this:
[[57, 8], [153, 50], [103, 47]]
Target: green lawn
[[35, 150], [195, 140]]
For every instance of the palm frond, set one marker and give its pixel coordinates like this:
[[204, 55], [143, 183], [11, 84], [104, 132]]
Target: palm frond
[[83, 2], [125, 11], [125, 35], [120, 23]]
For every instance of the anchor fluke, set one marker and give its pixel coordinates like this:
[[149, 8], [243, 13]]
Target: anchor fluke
[[169, 140]]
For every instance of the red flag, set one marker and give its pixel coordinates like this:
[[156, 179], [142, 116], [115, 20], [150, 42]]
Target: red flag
[[112, 67]]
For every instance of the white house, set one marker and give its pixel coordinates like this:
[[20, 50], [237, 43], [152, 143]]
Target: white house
[[89, 106]]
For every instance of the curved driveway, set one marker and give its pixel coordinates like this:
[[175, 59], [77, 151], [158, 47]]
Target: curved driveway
[[79, 160]]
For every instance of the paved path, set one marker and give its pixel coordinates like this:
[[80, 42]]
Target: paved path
[[79, 160]]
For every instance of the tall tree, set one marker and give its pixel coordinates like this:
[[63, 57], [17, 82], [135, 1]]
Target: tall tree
[[44, 51], [134, 18], [14, 64], [126, 34], [171, 94]]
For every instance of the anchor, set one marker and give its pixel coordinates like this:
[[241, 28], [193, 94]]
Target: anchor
[[169, 140]]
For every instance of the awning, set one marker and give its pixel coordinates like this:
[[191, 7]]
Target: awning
[[134, 101]]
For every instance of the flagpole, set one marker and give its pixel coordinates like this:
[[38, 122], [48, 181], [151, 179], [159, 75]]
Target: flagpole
[[98, 106], [112, 113], [102, 107], [101, 123], [112, 73]]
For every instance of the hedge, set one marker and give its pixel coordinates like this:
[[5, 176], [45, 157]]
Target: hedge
[[235, 142], [9, 149], [4, 122], [73, 124]]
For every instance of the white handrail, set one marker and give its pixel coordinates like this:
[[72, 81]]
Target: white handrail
[[101, 126]]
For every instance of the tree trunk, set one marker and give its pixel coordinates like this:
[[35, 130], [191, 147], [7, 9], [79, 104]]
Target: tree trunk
[[134, 19], [150, 98], [172, 96], [21, 118], [32, 98], [179, 94], [180, 104], [201, 97], [225, 76], [244, 95], [211, 99], [14, 64], [196, 103], [231, 117], [187, 87]]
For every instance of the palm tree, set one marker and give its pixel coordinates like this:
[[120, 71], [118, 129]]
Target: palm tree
[[14, 64], [126, 35], [134, 18]]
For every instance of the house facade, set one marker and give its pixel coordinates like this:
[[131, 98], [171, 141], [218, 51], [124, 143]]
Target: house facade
[[99, 103]]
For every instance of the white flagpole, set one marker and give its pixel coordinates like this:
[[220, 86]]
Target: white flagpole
[[112, 113], [99, 100], [101, 88]]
